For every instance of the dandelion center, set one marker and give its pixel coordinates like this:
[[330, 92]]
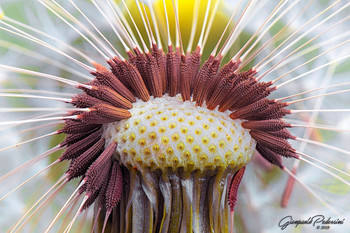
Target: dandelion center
[[169, 133]]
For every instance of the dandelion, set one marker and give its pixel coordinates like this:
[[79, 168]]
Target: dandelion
[[155, 121]]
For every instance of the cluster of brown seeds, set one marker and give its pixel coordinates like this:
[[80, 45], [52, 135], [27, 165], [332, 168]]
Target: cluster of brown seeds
[[155, 73]]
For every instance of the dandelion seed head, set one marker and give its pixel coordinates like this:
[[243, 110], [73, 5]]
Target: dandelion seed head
[[142, 131]]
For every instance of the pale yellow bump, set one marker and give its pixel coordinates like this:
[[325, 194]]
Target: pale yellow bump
[[197, 149], [186, 154], [152, 163], [222, 143], [165, 140], [212, 148], [142, 129], [181, 119], [214, 135], [184, 130], [236, 148], [205, 126], [137, 121], [147, 151], [124, 139], [190, 164], [161, 157], [162, 129], [139, 160], [175, 161], [132, 137], [232, 131], [126, 126], [152, 135], [174, 113], [191, 122], [211, 119], [197, 131], [205, 140], [188, 113], [164, 118], [189, 139], [228, 137], [228, 154], [170, 108], [223, 123], [154, 123], [213, 114], [142, 142], [201, 112], [233, 164], [240, 140], [169, 150], [239, 158], [203, 157], [180, 146], [154, 108], [124, 152], [217, 159], [118, 129], [172, 125], [246, 148], [159, 112], [149, 116], [242, 132], [219, 128], [155, 147], [141, 112], [199, 117], [132, 151], [175, 137]]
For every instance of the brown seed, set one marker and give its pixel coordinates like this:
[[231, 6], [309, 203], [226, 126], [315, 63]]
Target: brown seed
[[114, 187], [160, 58], [201, 80], [85, 101], [154, 76], [266, 125], [91, 199], [212, 71], [185, 80], [109, 95], [109, 79], [224, 73], [194, 62], [173, 71], [104, 113], [257, 92], [270, 155], [79, 165], [73, 138], [219, 94], [74, 127], [130, 77], [98, 172], [276, 144], [76, 149], [233, 188], [252, 109]]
